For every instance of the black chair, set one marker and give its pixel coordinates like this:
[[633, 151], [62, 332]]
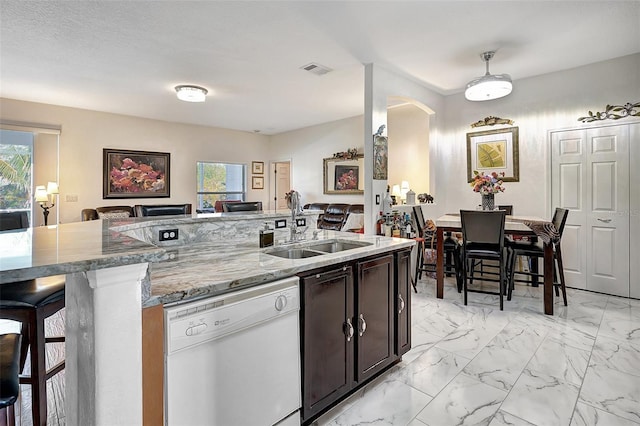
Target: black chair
[[13, 221], [483, 239], [242, 206], [31, 302], [9, 372], [427, 238], [490, 269], [535, 250], [162, 210]]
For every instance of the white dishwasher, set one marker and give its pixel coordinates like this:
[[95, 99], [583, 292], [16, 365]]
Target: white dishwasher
[[234, 359]]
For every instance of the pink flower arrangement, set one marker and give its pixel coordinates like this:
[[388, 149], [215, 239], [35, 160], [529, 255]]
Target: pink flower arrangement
[[136, 177], [487, 184]]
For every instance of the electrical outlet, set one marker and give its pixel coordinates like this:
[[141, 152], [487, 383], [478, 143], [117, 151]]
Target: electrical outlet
[[281, 223], [168, 235], [71, 198], [301, 222]]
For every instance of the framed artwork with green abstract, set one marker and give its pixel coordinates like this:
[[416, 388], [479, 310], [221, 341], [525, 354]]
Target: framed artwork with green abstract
[[494, 151]]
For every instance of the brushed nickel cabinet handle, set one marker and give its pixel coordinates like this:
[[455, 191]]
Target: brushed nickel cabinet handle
[[401, 300], [362, 325], [348, 329], [604, 220]]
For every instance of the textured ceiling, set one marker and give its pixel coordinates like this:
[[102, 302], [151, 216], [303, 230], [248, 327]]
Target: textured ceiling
[[126, 56]]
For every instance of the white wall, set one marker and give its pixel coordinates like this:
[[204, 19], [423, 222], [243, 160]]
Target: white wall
[[85, 133], [537, 105], [307, 148], [409, 147]]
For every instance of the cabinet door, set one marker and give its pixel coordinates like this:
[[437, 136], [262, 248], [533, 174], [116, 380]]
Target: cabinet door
[[403, 302], [327, 339], [375, 299]]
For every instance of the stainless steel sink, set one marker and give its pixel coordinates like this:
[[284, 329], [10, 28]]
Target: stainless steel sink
[[337, 246], [318, 248], [294, 253]]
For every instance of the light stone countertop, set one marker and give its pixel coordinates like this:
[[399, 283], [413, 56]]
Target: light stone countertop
[[209, 269], [178, 272]]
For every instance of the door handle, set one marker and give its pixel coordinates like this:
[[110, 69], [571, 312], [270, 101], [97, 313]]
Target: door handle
[[362, 325], [604, 220], [348, 329], [401, 303]]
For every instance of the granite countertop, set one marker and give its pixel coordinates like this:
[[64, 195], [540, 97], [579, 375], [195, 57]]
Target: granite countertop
[[74, 247], [209, 269], [178, 272]]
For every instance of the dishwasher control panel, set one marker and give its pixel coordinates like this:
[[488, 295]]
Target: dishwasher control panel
[[196, 322]]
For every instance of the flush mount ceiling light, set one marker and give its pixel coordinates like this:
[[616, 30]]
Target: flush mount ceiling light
[[189, 93], [488, 86]]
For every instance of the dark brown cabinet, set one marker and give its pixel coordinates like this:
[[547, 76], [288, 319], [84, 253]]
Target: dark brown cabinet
[[327, 338], [403, 301], [374, 316], [351, 329]]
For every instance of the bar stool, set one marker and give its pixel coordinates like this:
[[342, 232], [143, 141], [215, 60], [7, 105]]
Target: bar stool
[[31, 302], [9, 371]]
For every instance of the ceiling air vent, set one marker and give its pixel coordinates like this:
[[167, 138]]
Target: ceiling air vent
[[316, 69]]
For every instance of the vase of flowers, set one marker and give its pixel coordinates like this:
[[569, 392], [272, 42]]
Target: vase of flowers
[[487, 186]]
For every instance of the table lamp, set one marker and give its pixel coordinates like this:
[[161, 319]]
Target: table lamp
[[42, 196]]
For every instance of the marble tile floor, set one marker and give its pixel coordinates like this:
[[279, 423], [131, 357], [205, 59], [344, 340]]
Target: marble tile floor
[[476, 365]]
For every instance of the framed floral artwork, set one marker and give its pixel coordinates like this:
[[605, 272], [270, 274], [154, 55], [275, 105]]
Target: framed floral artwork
[[257, 167], [257, 182], [344, 176], [494, 151], [135, 174]]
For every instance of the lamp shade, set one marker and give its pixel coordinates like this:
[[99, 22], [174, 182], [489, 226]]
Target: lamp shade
[[489, 86], [190, 93], [41, 195], [52, 188], [396, 191]]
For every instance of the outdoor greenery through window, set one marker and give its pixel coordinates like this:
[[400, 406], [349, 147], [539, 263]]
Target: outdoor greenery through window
[[219, 181], [16, 160]]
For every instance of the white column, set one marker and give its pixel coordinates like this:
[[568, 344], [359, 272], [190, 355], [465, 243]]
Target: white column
[[103, 370]]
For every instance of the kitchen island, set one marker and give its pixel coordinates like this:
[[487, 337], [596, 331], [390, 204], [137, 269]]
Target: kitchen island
[[110, 280]]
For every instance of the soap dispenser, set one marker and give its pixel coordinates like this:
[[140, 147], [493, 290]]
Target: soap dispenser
[[266, 236]]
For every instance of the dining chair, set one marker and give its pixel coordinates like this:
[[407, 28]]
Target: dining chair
[[535, 250], [508, 209], [161, 210], [451, 250], [9, 376], [483, 239], [31, 302]]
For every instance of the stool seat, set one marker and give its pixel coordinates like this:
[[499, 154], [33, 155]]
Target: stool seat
[[31, 302], [32, 293], [9, 368]]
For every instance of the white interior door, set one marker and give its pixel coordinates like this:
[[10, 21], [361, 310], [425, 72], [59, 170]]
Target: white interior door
[[282, 179], [590, 176]]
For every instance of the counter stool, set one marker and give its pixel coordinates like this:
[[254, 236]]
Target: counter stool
[[9, 371], [31, 302]]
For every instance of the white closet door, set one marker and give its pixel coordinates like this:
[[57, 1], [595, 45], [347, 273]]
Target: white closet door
[[634, 220], [590, 176], [568, 191]]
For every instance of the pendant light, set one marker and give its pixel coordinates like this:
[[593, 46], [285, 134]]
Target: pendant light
[[489, 86]]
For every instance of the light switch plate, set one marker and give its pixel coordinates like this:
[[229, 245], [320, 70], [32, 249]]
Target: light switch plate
[[281, 223]]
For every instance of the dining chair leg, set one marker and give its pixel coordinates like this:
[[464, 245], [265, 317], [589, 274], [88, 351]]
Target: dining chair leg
[[464, 281], [561, 273]]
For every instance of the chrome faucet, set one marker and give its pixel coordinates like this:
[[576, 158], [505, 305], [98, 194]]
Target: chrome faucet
[[296, 209]]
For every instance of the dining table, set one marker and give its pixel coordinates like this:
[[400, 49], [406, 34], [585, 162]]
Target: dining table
[[524, 226]]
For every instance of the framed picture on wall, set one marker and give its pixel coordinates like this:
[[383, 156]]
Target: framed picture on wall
[[135, 174], [257, 182], [380, 157], [257, 167], [494, 151]]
